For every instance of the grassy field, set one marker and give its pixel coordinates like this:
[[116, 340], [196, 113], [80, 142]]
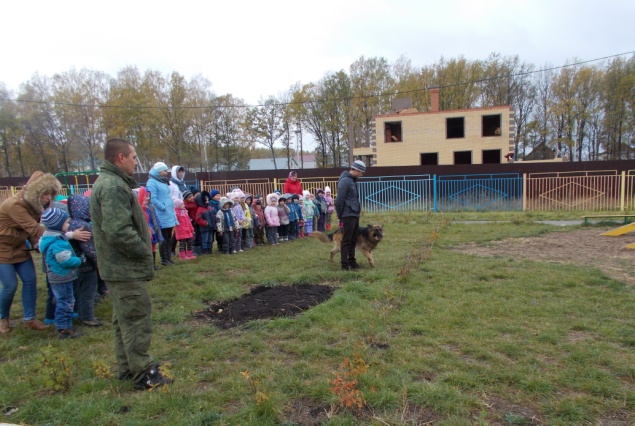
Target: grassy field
[[430, 336]]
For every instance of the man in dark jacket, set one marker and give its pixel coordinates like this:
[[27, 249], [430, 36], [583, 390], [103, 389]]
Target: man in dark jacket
[[348, 209], [124, 257]]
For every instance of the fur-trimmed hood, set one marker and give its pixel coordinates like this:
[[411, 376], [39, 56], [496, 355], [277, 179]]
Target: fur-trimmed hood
[[40, 183]]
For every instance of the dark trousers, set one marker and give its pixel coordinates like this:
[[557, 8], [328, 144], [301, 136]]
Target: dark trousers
[[349, 240], [85, 289], [165, 249], [229, 243]]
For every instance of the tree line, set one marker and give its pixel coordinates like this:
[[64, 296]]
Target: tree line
[[61, 122]]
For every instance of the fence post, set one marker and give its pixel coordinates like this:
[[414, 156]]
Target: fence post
[[524, 191], [623, 191], [434, 193]]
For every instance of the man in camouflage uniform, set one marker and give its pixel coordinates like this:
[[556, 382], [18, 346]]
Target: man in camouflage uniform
[[124, 257]]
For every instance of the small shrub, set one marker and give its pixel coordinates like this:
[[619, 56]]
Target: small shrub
[[54, 371]]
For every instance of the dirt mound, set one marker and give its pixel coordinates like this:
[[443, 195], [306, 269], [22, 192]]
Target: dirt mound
[[582, 247], [266, 302]]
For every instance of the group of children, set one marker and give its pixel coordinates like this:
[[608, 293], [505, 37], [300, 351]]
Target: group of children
[[237, 222]]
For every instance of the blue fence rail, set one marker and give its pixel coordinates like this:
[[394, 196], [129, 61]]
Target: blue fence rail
[[446, 193]]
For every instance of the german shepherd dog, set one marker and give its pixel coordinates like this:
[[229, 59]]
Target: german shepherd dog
[[367, 239]]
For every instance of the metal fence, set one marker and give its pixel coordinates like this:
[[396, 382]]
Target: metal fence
[[599, 190]]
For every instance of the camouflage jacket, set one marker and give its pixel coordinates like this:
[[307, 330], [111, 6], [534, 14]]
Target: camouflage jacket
[[122, 239]]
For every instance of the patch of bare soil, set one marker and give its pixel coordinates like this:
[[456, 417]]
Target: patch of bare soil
[[265, 303], [582, 247]]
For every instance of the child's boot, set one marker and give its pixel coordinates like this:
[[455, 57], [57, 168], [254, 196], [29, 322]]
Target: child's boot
[[183, 256], [328, 226], [189, 255]]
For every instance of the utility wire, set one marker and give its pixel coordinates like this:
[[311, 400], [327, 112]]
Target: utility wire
[[346, 99]]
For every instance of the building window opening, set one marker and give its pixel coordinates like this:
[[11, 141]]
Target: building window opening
[[463, 157], [393, 132], [491, 156], [430, 159], [491, 125], [455, 127]]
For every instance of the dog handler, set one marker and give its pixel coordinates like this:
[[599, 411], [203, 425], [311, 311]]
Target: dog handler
[[348, 209]]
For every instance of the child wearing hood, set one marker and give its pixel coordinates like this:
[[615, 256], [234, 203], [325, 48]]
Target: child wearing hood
[[307, 212], [190, 206], [205, 220], [184, 231], [259, 223], [248, 229], [239, 212], [283, 215], [226, 225], [85, 286], [330, 207], [214, 204], [61, 269], [320, 203], [272, 219]]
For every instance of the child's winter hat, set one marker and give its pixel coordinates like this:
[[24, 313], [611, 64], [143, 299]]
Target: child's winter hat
[[213, 192], [186, 194], [194, 190], [54, 218], [226, 200], [305, 193], [295, 196], [318, 191], [273, 197], [178, 203], [258, 202], [327, 189], [160, 167]]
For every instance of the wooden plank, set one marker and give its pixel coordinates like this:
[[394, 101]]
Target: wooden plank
[[619, 231]]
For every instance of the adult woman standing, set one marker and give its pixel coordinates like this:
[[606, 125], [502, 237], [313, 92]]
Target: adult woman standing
[[19, 217], [292, 185], [158, 186]]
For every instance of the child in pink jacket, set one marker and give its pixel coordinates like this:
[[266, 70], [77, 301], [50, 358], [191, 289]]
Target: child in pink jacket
[[184, 231], [272, 219]]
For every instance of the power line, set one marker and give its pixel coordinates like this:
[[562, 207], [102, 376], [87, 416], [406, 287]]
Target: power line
[[283, 104]]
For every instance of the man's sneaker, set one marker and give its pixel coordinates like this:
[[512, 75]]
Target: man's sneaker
[[92, 323], [69, 333], [152, 379], [48, 321]]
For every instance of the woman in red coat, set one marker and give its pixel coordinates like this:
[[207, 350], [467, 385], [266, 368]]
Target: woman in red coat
[[292, 185]]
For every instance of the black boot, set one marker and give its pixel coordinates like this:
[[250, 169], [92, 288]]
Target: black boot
[[163, 252]]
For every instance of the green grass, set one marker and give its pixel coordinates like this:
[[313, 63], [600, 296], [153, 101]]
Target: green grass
[[450, 338]]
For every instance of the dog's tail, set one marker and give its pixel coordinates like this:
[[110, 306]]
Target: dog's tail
[[322, 236]]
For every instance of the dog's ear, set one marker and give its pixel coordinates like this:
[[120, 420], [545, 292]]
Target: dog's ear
[[370, 226]]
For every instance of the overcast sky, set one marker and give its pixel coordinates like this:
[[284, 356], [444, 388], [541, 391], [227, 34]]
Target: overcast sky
[[254, 49]]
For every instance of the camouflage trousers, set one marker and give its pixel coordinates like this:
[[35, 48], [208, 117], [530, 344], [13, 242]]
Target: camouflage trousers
[[132, 324]]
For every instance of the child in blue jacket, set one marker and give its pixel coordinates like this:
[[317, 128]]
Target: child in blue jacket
[[61, 269]]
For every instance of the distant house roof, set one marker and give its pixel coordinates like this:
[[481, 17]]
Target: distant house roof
[[281, 163]]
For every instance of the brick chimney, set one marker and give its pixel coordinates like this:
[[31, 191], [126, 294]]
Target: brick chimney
[[434, 98]]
